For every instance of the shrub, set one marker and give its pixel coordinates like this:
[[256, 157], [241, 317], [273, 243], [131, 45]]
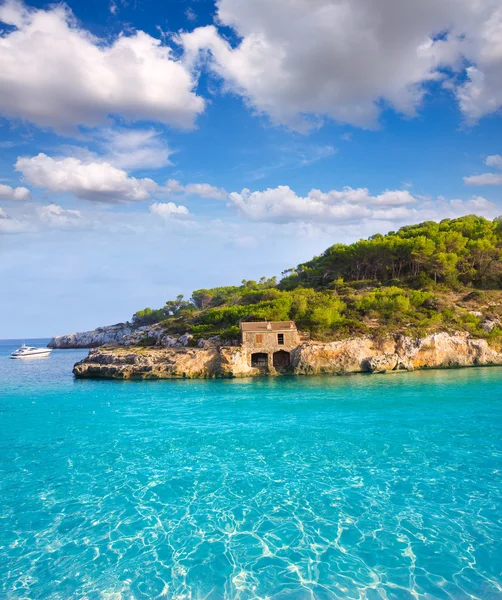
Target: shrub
[[147, 341], [389, 302]]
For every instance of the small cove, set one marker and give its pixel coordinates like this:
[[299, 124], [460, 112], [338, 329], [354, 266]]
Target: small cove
[[307, 487]]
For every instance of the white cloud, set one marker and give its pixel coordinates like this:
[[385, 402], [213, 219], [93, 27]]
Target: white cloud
[[128, 149], [343, 207], [10, 224], [9, 193], [203, 190], [484, 179], [56, 216], [168, 210], [481, 94], [494, 161], [56, 74], [39, 218], [283, 205], [134, 148], [478, 205], [302, 61], [99, 182], [190, 14], [173, 186], [487, 178]]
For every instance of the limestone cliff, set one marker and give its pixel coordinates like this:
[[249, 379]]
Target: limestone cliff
[[91, 339], [396, 353], [355, 355], [123, 334]]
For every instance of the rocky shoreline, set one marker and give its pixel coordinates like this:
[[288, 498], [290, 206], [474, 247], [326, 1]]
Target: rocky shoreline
[[354, 355], [122, 333], [111, 334]]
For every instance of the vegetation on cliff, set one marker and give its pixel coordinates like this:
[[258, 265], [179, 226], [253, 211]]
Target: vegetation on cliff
[[421, 278]]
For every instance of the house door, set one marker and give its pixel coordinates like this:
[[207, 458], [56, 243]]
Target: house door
[[281, 359]]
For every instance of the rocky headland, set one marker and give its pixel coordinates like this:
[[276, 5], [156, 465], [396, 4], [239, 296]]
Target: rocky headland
[[111, 334], [122, 333], [363, 354], [426, 296]]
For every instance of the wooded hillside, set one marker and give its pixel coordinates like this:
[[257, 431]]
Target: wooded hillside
[[422, 277]]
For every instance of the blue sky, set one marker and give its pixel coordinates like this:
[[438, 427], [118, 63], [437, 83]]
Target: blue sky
[[150, 149]]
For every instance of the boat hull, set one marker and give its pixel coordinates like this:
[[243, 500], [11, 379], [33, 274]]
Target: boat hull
[[41, 354]]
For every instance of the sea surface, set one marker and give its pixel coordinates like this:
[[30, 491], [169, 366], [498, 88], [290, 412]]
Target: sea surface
[[382, 486]]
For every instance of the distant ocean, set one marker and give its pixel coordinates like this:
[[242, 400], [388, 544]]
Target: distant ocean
[[282, 488]]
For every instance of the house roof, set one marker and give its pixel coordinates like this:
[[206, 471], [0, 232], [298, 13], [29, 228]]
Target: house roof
[[268, 326]]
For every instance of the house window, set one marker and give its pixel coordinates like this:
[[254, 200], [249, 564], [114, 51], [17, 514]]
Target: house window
[[280, 339], [259, 339]]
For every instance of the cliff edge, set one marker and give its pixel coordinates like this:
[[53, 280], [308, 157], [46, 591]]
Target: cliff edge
[[354, 355], [110, 334]]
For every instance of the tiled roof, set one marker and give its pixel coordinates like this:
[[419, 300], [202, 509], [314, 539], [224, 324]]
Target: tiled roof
[[268, 326]]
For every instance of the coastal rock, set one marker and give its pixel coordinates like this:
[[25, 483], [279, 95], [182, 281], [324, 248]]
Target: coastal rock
[[345, 356], [234, 363], [185, 339], [381, 363], [445, 350], [212, 342], [354, 355], [490, 324], [149, 335], [123, 334], [91, 339], [146, 363]]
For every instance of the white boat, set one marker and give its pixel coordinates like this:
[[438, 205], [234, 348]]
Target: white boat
[[30, 352]]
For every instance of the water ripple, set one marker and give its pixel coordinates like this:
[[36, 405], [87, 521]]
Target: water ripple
[[362, 487]]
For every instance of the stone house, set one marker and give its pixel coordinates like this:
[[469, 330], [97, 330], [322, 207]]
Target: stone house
[[268, 343]]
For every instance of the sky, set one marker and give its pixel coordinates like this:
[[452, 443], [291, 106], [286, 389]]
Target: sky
[[149, 149]]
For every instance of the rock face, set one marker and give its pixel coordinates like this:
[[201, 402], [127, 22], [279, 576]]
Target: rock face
[[91, 339], [399, 353], [355, 355], [125, 335], [144, 363], [157, 363]]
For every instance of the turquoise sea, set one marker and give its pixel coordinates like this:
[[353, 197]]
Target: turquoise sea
[[287, 488]]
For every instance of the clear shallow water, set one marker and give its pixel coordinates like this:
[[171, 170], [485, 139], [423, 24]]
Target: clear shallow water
[[343, 487]]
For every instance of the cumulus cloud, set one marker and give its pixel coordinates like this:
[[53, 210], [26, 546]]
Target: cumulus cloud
[[484, 179], [302, 61], [56, 74], [203, 190], [487, 178], [134, 148], [98, 182], [168, 210], [57, 216], [283, 205], [18, 193], [494, 161], [478, 205], [128, 149], [481, 94]]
